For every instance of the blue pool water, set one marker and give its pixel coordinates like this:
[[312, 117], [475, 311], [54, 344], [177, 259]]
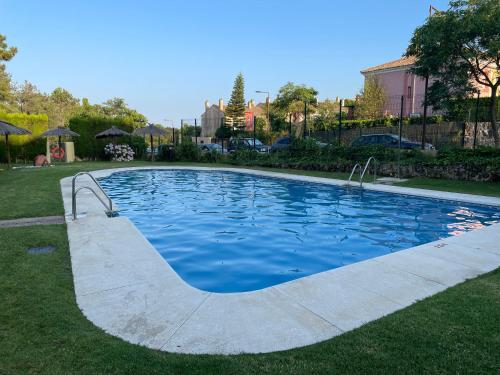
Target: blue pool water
[[231, 232]]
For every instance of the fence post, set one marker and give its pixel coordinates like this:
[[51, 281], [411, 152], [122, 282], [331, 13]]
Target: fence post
[[195, 134], [463, 135], [340, 121], [254, 132], [180, 133], [400, 133], [424, 122], [305, 120], [475, 123]]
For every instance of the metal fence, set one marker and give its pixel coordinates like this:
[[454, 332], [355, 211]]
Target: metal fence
[[455, 134]]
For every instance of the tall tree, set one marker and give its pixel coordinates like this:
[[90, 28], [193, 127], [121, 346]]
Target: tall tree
[[235, 110], [62, 106], [29, 99], [371, 100], [6, 54], [292, 98], [327, 114], [459, 48]]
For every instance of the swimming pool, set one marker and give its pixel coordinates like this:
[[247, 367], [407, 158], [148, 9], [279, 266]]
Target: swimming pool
[[234, 232]]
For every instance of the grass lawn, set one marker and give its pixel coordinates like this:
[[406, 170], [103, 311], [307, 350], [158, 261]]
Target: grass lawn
[[42, 330], [36, 192]]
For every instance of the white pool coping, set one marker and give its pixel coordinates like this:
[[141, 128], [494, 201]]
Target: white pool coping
[[125, 287]]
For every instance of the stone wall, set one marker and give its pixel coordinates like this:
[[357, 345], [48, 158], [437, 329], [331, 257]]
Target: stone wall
[[484, 134]]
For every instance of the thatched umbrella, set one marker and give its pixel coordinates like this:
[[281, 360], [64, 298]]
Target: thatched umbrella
[[7, 129], [152, 131], [112, 132], [59, 132]]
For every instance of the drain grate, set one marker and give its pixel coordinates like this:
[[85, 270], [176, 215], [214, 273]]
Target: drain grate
[[41, 249]]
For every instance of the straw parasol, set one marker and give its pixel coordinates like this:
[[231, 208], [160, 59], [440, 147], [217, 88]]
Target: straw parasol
[[112, 132], [59, 132], [7, 129], [152, 131]]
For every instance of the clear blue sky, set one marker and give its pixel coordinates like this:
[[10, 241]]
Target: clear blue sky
[[166, 57]]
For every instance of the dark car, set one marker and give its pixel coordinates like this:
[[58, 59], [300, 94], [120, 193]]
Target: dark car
[[246, 144], [282, 143], [388, 140]]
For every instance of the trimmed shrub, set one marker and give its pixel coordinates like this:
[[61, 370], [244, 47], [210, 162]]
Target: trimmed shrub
[[25, 147], [88, 147]]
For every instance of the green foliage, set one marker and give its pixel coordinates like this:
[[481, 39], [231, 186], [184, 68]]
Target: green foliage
[[291, 99], [25, 147], [6, 54], [327, 115], [307, 154], [371, 100], [235, 110], [223, 132], [88, 147], [61, 107], [457, 47], [187, 151], [190, 131]]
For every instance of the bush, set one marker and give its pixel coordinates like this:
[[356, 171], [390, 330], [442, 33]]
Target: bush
[[187, 151], [88, 147], [25, 147], [306, 154]]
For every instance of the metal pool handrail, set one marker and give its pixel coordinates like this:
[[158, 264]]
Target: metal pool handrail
[[74, 192], [354, 170], [371, 158]]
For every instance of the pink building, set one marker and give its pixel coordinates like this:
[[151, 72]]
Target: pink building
[[397, 79]]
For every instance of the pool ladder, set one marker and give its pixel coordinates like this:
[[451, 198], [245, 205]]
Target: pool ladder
[[362, 172], [108, 205]]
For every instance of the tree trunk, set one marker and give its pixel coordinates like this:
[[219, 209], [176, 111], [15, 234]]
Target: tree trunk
[[493, 115]]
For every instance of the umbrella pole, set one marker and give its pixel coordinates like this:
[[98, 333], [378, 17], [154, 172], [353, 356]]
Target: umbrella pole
[[59, 144], [7, 148], [152, 151]]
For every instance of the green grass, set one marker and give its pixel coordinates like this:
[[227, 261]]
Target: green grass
[[36, 192], [467, 187], [42, 330]]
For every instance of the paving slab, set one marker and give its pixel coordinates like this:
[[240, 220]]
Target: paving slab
[[248, 322], [29, 221]]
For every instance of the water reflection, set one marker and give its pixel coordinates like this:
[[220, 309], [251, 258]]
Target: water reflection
[[226, 232]]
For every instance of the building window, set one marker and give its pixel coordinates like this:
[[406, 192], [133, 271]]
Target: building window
[[409, 91]]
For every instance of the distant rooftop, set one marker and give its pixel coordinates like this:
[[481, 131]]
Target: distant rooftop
[[404, 61]]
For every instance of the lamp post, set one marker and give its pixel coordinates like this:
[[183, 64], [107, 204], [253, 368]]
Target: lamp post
[[267, 105]]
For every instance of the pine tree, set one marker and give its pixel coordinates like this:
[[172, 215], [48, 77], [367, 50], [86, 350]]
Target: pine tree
[[235, 110]]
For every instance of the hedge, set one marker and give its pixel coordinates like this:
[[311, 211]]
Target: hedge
[[88, 147], [481, 164], [25, 147]]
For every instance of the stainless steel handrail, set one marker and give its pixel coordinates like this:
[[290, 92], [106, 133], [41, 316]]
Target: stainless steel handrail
[[371, 158], [74, 192], [354, 170]]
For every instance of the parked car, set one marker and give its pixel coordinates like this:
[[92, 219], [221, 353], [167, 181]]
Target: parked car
[[284, 143], [388, 140], [247, 144], [209, 147]]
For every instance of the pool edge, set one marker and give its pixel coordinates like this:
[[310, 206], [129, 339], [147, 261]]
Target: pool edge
[[124, 286]]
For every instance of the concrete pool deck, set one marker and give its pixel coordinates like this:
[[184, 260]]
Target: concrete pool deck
[[124, 286]]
